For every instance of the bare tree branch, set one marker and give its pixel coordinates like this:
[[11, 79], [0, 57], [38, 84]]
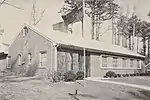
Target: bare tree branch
[[42, 14]]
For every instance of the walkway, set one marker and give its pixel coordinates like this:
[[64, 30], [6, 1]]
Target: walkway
[[119, 83]]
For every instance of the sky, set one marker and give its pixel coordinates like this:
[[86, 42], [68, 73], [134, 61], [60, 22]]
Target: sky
[[12, 19]]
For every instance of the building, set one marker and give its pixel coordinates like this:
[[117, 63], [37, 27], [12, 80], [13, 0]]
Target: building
[[53, 51], [3, 56]]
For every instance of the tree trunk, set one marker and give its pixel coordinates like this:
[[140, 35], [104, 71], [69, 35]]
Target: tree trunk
[[129, 42], [148, 47], [144, 46]]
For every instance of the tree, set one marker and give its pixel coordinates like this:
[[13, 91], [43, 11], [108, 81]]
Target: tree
[[129, 27], [143, 30], [100, 10]]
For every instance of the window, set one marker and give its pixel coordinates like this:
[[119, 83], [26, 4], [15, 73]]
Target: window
[[131, 63], [124, 62], [7, 61], [115, 62], [124, 41], [29, 58], [43, 59], [104, 61], [117, 39], [19, 59], [138, 63], [25, 31]]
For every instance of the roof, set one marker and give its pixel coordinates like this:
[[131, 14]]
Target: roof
[[4, 48], [70, 40]]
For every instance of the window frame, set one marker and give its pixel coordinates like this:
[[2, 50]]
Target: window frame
[[29, 58], [104, 65], [124, 59], [19, 60], [116, 62], [41, 65]]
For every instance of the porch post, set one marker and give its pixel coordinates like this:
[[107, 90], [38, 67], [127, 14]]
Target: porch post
[[55, 58], [84, 64]]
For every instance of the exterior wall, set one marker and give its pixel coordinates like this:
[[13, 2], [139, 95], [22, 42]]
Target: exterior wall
[[98, 71], [3, 62], [95, 65], [32, 43]]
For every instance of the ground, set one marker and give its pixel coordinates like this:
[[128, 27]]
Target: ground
[[37, 89]]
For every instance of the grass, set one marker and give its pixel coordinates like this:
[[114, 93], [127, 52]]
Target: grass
[[44, 90], [138, 80]]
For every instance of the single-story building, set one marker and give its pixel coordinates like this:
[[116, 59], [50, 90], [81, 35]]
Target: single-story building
[[57, 51], [3, 56]]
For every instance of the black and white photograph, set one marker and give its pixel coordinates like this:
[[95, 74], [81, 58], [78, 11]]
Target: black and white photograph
[[74, 49]]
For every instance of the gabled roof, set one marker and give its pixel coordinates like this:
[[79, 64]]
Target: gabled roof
[[61, 38]]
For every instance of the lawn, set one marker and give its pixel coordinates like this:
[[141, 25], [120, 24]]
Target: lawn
[[138, 80], [36, 89]]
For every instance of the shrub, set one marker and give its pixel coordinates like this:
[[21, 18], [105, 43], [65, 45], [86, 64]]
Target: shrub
[[31, 71], [57, 77], [105, 77], [137, 74], [127, 75], [124, 75], [118, 75], [131, 74], [110, 74], [115, 76], [69, 76], [134, 74], [80, 75]]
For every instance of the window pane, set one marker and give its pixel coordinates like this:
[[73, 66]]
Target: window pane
[[115, 62], [138, 63], [131, 63], [104, 61], [124, 62], [19, 60], [43, 59]]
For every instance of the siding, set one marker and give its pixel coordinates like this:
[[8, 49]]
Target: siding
[[31, 43]]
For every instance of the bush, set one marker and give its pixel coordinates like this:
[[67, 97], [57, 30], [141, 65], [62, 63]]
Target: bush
[[80, 75], [118, 75], [31, 70], [124, 75], [137, 74], [134, 74], [115, 76], [131, 74], [127, 75], [57, 77], [69, 76], [105, 77], [110, 74]]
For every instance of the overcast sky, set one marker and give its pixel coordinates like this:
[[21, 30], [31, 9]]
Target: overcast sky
[[12, 19]]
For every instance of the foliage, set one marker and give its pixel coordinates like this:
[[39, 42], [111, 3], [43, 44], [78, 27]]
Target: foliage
[[31, 71], [57, 77], [80, 75], [69, 76], [110, 74], [118, 75], [98, 10]]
